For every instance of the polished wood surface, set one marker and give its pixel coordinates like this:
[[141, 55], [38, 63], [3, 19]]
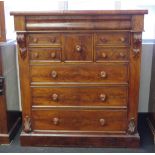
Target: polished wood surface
[[79, 74], [2, 23]]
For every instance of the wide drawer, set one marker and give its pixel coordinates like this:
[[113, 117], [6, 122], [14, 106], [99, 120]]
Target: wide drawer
[[108, 96], [105, 72], [44, 39], [44, 54], [80, 120], [112, 38]]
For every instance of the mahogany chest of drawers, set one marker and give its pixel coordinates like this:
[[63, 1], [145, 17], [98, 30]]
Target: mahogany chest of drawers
[[79, 74]]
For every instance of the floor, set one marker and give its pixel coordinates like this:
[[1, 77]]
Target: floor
[[146, 144]]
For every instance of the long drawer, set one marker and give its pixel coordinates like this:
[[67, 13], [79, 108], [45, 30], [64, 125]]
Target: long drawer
[[80, 96], [80, 120], [105, 72]]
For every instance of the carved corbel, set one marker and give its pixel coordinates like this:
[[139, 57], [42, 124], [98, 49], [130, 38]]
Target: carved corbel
[[21, 40], [137, 41], [131, 126], [27, 124]]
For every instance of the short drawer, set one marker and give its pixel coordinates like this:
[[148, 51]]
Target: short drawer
[[80, 120], [112, 38], [114, 54], [44, 39], [105, 72], [51, 54], [108, 96]]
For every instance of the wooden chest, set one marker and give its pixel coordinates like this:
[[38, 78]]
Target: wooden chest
[[79, 74]]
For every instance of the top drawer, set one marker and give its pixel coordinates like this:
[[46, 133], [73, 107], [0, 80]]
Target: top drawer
[[44, 39], [112, 38]]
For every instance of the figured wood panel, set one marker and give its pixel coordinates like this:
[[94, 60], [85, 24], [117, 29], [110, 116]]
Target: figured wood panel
[[105, 72], [80, 96], [78, 47], [80, 120]]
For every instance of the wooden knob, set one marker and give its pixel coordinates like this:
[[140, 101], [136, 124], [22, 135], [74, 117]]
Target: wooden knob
[[103, 74], [55, 97], [53, 40], [102, 121], [78, 48], [55, 121], [122, 54], [103, 40], [103, 97], [35, 40], [35, 55], [104, 55], [122, 39], [53, 55], [54, 74]]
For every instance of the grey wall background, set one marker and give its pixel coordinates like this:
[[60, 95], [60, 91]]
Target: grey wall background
[[8, 50]]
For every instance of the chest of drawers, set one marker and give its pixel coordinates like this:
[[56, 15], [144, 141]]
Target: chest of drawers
[[79, 74]]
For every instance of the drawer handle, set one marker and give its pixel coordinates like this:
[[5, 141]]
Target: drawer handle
[[78, 48], [36, 55], [102, 121], [53, 55], [122, 39], [35, 40], [55, 120], [54, 74], [55, 97], [53, 40], [122, 54], [103, 74], [103, 40], [104, 55], [103, 97]]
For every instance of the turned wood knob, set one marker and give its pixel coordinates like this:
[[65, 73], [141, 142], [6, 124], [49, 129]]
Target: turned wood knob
[[35, 40], [122, 39], [103, 97], [103, 74], [35, 55], [53, 55], [53, 40], [102, 121], [54, 74], [122, 54], [78, 48], [103, 40], [104, 55], [55, 121], [55, 97]]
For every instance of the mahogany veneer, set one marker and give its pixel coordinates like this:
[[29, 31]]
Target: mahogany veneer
[[79, 74]]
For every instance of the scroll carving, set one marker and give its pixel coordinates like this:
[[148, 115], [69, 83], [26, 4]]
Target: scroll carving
[[27, 124], [131, 126], [21, 40], [137, 41]]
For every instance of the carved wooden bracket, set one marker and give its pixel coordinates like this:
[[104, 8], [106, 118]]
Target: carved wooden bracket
[[131, 126], [27, 124], [21, 40], [137, 41]]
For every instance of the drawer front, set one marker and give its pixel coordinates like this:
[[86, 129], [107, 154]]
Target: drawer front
[[80, 96], [115, 38], [107, 72], [51, 54], [44, 39], [78, 47], [80, 120], [115, 54]]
